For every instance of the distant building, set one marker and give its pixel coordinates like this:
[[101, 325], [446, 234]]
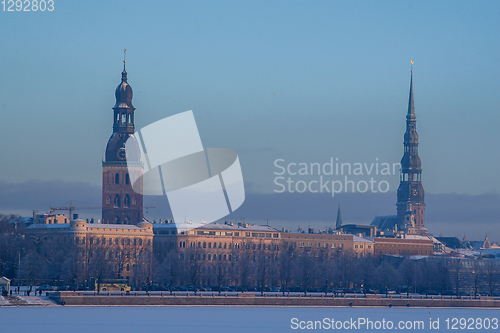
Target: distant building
[[360, 230], [385, 224], [51, 218], [358, 246], [403, 246], [115, 244]]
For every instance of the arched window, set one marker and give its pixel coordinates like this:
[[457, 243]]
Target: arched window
[[117, 201], [117, 178], [117, 220], [108, 200], [126, 220], [127, 179], [140, 241], [126, 201]]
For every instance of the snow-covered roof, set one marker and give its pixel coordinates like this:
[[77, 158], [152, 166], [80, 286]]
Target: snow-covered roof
[[384, 222], [213, 226], [361, 239], [111, 226], [49, 226]]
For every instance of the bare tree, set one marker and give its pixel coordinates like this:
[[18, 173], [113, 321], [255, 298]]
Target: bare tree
[[443, 276], [491, 275], [100, 267], [458, 274], [169, 270], [386, 276], [193, 267], [262, 270], [407, 269], [305, 269], [286, 261], [245, 265], [366, 268], [428, 274], [477, 277]]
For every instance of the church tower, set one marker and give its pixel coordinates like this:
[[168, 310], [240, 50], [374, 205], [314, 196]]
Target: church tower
[[120, 203], [410, 205]]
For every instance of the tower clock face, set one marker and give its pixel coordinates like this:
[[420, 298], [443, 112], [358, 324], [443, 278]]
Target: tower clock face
[[121, 154], [415, 192]]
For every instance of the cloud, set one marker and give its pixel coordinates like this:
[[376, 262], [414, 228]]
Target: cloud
[[19, 198]]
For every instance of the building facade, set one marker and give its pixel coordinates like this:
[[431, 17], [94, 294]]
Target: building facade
[[403, 246], [101, 250]]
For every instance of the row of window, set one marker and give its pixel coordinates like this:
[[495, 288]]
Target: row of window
[[230, 233], [405, 245], [222, 257], [310, 244], [411, 177], [117, 201], [124, 118], [109, 241], [118, 179], [403, 252], [221, 245]]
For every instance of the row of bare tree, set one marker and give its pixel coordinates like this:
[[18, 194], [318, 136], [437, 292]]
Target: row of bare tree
[[324, 270]]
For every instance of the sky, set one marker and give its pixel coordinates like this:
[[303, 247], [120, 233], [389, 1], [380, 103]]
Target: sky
[[294, 81]]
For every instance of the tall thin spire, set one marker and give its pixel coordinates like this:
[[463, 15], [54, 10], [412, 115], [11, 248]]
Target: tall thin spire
[[338, 225], [411, 104]]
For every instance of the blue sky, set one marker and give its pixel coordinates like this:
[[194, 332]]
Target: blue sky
[[302, 81]]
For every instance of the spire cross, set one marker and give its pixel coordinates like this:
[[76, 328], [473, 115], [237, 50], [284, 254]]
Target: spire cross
[[124, 60], [412, 62]]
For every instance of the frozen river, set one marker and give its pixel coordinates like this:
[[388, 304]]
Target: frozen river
[[211, 319]]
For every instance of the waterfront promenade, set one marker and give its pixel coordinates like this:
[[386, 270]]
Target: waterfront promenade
[[268, 299]]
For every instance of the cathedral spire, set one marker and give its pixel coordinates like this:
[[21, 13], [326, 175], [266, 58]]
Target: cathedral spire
[[123, 109], [410, 203]]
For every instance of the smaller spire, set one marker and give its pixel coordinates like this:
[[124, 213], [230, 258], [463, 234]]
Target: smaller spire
[[338, 225], [124, 59]]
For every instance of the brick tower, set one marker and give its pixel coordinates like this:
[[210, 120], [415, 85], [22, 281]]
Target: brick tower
[[120, 203]]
